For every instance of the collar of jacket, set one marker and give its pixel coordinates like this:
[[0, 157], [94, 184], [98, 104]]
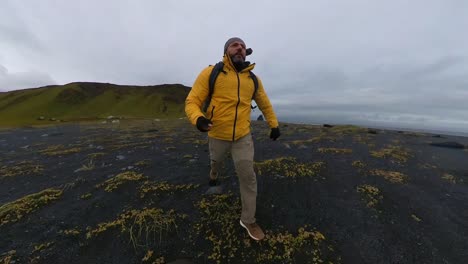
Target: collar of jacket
[[228, 63]]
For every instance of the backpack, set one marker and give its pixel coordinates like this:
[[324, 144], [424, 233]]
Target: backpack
[[217, 69]]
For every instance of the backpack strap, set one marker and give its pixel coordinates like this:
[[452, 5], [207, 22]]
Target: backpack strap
[[211, 83], [255, 80]]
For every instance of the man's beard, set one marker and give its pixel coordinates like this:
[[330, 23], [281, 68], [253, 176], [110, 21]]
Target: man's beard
[[238, 62]]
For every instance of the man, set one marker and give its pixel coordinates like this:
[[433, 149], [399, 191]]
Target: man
[[227, 121]]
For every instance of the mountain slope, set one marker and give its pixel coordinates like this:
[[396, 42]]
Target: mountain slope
[[82, 100]]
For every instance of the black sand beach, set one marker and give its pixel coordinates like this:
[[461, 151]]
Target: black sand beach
[[134, 192]]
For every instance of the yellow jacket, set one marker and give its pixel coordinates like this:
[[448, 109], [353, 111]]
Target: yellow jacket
[[229, 109]]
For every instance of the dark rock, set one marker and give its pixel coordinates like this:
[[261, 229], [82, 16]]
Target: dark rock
[[152, 130], [327, 125], [438, 136], [450, 144], [372, 131]]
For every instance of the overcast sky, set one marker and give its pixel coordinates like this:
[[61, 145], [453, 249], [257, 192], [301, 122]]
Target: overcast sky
[[384, 63]]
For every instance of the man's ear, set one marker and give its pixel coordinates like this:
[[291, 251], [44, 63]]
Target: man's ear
[[248, 51]]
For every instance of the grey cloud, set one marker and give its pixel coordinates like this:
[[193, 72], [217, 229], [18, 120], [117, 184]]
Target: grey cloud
[[337, 61], [21, 80]]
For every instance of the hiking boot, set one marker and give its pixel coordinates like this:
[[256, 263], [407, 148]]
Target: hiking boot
[[213, 182], [254, 230]]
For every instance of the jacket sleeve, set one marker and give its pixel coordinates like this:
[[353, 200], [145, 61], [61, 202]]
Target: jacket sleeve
[[265, 106], [197, 96]]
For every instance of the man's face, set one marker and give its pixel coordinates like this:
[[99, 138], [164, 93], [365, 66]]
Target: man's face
[[237, 52]]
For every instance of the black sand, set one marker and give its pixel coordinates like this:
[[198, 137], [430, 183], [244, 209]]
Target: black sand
[[342, 195]]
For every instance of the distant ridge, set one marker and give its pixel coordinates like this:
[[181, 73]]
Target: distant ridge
[[90, 100]]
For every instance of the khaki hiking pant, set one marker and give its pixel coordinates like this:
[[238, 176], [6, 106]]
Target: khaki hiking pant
[[242, 152]]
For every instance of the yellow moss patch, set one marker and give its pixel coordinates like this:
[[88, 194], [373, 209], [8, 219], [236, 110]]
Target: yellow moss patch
[[58, 150], [218, 225], [14, 211], [20, 168], [284, 246], [143, 163], [71, 232], [114, 182], [370, 194], [289, 167], [358, 164], [96, 155], [348, 129], [158, 187], [397, 153], [141, 224], [86, 196], [391, 176], [335, 150], [41, 247]]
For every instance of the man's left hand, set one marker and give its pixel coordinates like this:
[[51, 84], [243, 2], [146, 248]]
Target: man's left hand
[[275, 133]]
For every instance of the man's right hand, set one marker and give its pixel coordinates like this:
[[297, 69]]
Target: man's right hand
[[204, 124]]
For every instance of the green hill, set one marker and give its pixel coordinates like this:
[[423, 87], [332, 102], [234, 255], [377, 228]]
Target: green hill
[[89, 101]]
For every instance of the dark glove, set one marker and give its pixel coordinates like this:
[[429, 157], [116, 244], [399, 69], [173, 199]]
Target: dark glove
[[275, 133], [204, 124]]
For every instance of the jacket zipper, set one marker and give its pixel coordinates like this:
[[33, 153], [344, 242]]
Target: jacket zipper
[[237, 106]]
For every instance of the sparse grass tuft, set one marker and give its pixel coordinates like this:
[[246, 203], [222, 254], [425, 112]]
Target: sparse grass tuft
[[289, 167], [335, 150], [114, 182], [397, 153], [20, 168], [8, 258], [449, 177], [147, 224], [14, 211], [391, 176], [415, 218]]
